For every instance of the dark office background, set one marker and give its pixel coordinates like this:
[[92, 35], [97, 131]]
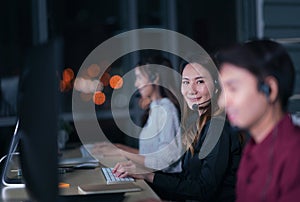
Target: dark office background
[[83, 25]]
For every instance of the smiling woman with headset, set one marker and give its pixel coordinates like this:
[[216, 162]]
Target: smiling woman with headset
[[212, 147], [258, 78]]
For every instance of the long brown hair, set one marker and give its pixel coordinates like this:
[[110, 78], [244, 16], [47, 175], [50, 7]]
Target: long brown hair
[[192, 122], [165, 88]]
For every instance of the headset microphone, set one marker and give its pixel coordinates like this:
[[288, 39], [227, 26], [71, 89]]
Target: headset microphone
[[195, 107], [198, 106]]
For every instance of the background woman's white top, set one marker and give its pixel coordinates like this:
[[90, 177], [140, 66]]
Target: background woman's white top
[[160, 139]]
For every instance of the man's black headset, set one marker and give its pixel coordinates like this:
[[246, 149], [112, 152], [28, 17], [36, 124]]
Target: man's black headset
[[264, 88]]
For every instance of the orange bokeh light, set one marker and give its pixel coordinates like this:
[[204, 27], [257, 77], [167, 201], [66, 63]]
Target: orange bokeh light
[[64, 86], [68, 75], [99, 98], [105, 79], [116, 82]]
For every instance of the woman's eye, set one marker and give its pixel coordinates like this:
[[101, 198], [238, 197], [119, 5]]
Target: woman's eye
[[200, 81], [185, 82]]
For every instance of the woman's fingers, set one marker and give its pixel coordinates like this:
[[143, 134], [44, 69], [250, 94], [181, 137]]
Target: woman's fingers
[[117, 166], [124, 174], [124, 169], [121, 172], [129, 169]]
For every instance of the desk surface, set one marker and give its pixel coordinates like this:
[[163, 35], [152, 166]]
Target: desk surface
[[80, 177]]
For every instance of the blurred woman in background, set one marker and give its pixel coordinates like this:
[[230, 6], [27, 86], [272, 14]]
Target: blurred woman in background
[[160, 133]]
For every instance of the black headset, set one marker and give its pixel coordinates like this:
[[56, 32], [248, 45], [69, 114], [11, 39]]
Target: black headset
[[217, 87], [264, 88], [152, 77]]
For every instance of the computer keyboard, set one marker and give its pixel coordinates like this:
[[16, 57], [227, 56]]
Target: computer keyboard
[[112, 179]]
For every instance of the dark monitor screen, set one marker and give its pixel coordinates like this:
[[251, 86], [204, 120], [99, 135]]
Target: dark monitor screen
[[37, 111]]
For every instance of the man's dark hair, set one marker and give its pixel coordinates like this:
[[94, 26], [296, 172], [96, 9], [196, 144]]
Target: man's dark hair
[[263, 58]]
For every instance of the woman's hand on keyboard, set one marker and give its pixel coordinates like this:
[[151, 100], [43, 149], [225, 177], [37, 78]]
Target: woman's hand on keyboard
[[124, 169], [130, 169]]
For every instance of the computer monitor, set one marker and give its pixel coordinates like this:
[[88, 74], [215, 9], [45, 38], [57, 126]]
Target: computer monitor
[[36, 131]]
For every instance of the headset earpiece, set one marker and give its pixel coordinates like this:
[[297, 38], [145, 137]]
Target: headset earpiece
[[217, 86], [265, 88], [152, 77]]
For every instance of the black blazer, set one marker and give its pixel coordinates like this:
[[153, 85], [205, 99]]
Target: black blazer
[[212, 178]]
